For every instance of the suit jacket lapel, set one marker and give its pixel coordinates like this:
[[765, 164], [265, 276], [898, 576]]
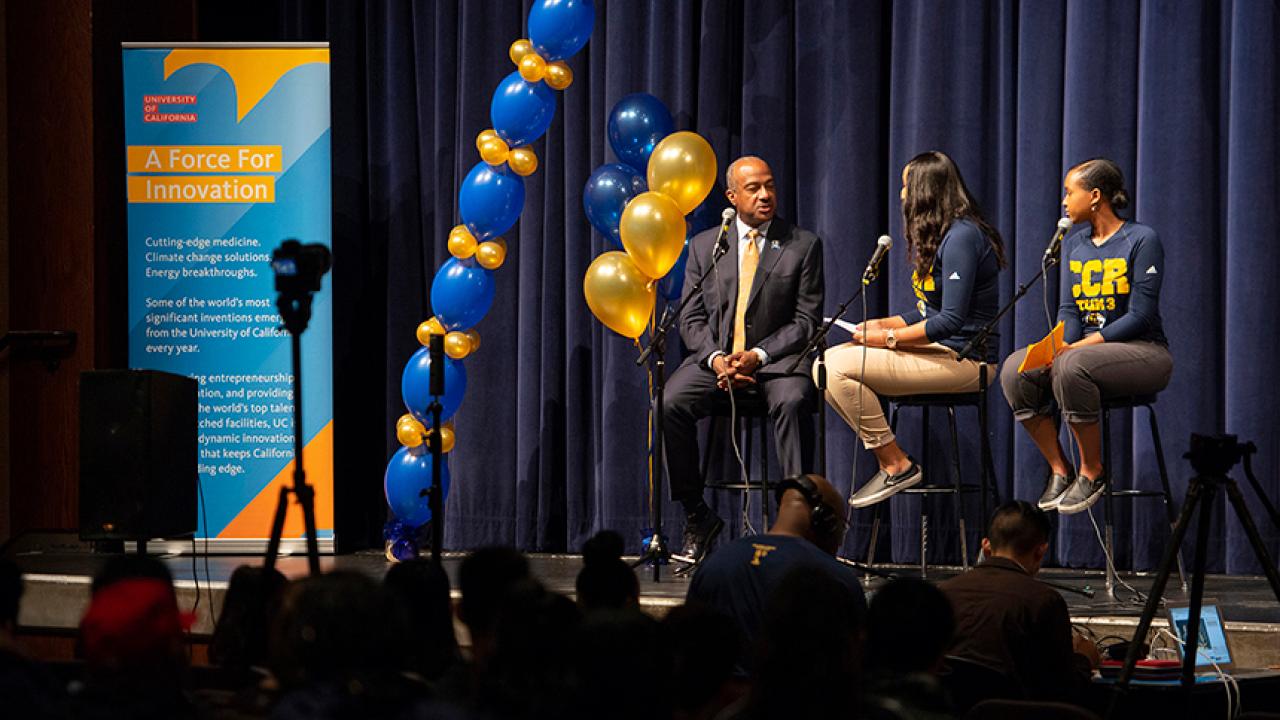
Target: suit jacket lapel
[[773, 248]]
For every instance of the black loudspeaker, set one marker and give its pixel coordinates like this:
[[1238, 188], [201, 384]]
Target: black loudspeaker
[[138, 452]]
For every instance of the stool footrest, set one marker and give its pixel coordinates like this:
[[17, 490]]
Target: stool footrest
[[737, 486], [1136, 493], [931, 489]]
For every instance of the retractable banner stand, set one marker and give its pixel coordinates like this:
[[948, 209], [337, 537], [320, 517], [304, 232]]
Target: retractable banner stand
[[228, 154]]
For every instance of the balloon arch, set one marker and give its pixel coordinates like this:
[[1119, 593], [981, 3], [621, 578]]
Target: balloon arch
[[639, 204]]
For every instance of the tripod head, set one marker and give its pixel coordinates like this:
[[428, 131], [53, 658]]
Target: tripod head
[[299, 269], [1215, 455]]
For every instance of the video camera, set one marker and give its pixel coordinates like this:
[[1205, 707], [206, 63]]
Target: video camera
[[299, 269]]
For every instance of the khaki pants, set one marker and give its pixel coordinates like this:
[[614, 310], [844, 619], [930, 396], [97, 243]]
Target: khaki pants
[[923, 369]]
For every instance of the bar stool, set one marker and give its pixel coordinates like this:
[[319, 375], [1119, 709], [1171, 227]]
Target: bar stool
[[1130, 402], [752, 418], [957, 489]]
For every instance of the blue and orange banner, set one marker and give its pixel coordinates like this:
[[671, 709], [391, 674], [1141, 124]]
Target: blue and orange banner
[[228, 154]]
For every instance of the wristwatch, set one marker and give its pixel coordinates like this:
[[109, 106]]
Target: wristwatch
[[890, 340]]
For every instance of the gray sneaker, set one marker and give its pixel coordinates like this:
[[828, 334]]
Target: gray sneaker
[[883, 485], [876, 480], [1055, 490], [1081, 496]]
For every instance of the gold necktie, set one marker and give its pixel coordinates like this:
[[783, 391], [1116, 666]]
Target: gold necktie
[[746, 274]]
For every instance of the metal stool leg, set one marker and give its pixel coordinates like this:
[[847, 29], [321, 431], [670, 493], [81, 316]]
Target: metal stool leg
[[871, 546], [989, 484], [924, 499], [1107, 537], [764, 474], [957, 493], [1164, 484]]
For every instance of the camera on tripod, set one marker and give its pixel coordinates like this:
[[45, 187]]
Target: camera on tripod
[[1215, 455], [299, 269]]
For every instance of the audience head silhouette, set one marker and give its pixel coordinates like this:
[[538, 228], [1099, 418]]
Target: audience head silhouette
[[1019, 531]]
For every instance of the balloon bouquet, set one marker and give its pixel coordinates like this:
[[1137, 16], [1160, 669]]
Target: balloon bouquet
[[490, 201], [640, 204]]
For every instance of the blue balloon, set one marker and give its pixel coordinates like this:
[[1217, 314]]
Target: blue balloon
[[415, 386], [636, 125], [606, 195], [408, 474], [672, 284], [490, 200], [461, 293], [559, 28], [521, 111]]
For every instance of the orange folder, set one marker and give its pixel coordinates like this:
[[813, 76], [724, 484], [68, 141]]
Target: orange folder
[[1040, 354]]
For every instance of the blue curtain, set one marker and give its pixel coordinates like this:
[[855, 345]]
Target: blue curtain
[[837, 97]]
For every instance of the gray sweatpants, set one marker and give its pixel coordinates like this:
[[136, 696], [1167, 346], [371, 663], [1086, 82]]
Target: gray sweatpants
[[1081, 377]]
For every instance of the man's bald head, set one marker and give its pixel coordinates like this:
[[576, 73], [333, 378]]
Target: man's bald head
[[749, 186]]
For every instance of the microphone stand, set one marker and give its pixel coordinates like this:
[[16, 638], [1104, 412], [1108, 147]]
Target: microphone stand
[[656, 553], [979, 340], [818, 344]]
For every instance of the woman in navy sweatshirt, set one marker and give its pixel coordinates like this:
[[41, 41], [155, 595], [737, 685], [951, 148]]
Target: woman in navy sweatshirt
[[1112, 269], [956, 257]]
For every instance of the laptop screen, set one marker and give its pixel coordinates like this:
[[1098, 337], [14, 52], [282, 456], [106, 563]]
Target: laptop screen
[[1212, 638]]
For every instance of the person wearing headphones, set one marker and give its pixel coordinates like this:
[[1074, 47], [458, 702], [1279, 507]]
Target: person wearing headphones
[[739, 578]]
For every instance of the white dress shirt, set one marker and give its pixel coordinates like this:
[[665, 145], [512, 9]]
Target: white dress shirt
[[744, 230]]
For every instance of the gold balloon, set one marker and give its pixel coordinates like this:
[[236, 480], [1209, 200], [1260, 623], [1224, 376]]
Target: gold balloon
[[494, 151], [653, 229], [462, 244], [457, 345], [619, 294], [409, 431], [519, 49], [532, 67], [474, 335], [426, 330], [683, 166], [523, 161], [491, 254], [559, 75], [486, 136], [448, 438]]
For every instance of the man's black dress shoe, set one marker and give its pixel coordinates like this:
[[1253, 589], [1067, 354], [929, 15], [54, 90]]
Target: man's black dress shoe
[[698, 537]]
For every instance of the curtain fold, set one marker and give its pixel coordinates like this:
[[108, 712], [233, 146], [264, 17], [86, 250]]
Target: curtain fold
[[552, 436]]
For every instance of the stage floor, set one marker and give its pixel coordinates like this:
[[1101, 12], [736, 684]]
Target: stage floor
[[58, 577]]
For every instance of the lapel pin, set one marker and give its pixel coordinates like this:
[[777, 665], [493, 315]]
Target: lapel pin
[[774, 245]]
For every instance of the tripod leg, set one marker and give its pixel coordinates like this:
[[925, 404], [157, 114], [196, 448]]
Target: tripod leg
[[277, 528], [1197, 585], [306, 498], [1157, 591], [1255, 539]]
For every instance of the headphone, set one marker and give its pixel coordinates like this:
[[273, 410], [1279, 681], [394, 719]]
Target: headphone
[[824, 521]]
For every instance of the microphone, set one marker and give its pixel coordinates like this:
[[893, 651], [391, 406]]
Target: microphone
[[873, 266], [722, 246], [1051, 252]]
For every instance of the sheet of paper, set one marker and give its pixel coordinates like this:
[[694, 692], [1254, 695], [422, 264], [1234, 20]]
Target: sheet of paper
[[844, 324], [1041, 353]]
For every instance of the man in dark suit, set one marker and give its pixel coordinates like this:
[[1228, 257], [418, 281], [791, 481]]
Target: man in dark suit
[[1012, 623], [744, 330]]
